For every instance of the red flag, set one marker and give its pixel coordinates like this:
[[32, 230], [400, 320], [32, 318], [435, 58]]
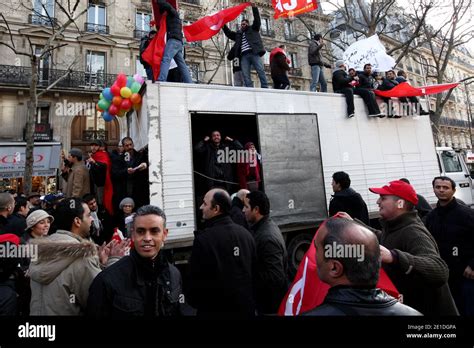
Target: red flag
[[290, 8], [307, 291], [278, 50], [155, 50], [103, 157], [208, 26], [404, 89]]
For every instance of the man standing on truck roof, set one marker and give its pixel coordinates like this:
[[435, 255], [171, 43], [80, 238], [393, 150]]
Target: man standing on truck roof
[[409, 252], [346, 199], [217, 160], [223, 261], [249, 46], [452, 225]]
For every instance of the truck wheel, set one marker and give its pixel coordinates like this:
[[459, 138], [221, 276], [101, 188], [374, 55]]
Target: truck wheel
[[296, 250]]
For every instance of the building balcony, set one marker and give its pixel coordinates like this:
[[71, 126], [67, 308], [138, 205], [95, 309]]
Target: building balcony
[[452, 122], [138, 33], [36, 19], [193, 44], [11, 75], [295, 72], [89, 135], [96, 28], [192, 2], [291, 37], [268, 33]]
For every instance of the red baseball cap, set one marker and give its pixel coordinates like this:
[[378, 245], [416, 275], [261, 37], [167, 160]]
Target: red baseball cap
[[398, 188]]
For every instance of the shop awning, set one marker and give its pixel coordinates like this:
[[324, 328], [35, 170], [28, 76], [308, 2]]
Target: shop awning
[[47, 158]]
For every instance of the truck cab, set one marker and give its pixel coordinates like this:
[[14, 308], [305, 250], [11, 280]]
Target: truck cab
[[451, 164]]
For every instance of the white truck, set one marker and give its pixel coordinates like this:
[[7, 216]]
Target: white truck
[[303, 138]]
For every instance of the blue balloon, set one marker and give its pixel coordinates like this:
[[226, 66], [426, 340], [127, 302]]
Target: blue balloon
[[107, 117], [107, 93], [130, 80]]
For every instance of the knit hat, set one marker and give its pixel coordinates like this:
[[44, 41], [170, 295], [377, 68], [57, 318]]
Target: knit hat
[[126, 201], [76, 152], [339, 63], [398, 188], [36, 217]]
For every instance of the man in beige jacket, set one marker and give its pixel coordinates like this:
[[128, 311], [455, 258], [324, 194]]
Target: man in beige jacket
[[67, 262], [77, 179]]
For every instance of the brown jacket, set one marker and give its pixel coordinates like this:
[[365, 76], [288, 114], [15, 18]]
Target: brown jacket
[[78, 182]]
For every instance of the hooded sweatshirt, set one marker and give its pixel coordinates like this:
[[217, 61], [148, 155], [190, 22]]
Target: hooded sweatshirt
[[62, 274]]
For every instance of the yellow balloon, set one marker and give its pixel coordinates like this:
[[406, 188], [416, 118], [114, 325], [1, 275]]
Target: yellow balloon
[[125, 92]]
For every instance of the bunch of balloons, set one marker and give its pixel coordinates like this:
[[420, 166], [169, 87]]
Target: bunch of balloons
[[121, 97]]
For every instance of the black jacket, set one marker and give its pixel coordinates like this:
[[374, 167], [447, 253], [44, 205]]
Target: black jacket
[[423, 207], [279, 66], [344, 300], [236, 213], [272, 266], [252, 33], [387, 84], [340, 80], [98, 173], [419, 273], [366, 81], [174, 27], [3, 223], [453, 227], [134, 286], [16, 224], [351, 202], [314, 54], [223, 263], [212, 167]]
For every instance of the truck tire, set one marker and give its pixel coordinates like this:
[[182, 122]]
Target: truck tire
[[296, 250]]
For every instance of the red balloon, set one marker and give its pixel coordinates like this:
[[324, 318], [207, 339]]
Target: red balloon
[[136, 98], [126, 104], [117, 100], [121, 80], [115, 89], [113, 109]]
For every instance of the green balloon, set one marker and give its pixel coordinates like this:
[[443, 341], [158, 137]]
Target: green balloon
[[104, 104], [135, 87], [101, 96]]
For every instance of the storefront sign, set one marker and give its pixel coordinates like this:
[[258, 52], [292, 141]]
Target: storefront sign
[[12, 159]]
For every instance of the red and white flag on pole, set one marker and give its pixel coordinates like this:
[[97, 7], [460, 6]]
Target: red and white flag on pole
[[208, 26], [307, 291], [291, 8]]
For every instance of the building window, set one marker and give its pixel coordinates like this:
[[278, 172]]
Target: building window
[[95, 68], [266, 58], [289, 32], [195, 74], [293, 60], [42, 115], [97, 19], [139, 68], [267, 27], [42, 11], [142, 24]]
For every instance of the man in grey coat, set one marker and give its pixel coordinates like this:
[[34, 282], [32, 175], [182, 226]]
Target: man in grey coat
[[271, 283], [315, 60]]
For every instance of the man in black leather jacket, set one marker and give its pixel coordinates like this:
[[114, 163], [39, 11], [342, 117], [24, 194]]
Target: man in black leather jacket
[[352, 274], [144, 283]]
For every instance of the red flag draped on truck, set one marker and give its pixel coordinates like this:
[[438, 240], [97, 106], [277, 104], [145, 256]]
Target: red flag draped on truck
[[290, 8], [208, 26], [404, 89], [307, 291]]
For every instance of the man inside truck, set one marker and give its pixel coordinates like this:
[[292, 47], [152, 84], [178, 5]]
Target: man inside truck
[[218, 168]]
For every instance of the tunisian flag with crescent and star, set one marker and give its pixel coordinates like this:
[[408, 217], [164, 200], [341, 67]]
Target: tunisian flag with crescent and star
[[207, 27], [291, 8], [307, 291], [404, 89]]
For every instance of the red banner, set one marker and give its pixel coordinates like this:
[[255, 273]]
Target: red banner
[[156, 49], [208, 26], [290, 8], [404, 89]]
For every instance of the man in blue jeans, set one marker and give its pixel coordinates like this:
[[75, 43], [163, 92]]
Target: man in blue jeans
[[315, 60], [174, 44], [248, 44]]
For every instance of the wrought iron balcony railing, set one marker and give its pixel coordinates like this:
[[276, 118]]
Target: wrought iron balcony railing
[[21, 76], [291, 37], [138, 33], [268, 33], [192, 2], [452, 122], [37, 19], [295, 72], [96, 28], [100, 134]]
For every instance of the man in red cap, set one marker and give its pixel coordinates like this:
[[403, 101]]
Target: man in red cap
[[409, 253]]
